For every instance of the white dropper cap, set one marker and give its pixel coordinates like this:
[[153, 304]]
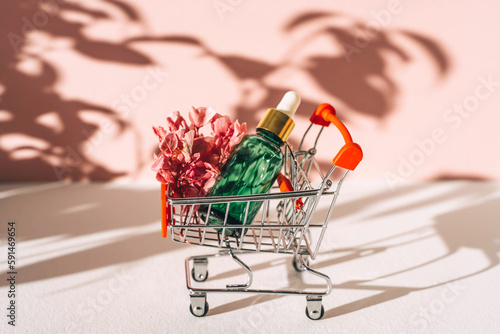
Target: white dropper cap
[[289, 103]]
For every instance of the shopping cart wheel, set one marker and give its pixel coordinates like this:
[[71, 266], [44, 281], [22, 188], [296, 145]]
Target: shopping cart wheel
[[314, 308], [199, 306], [297, 264], [199, 277], [315, 316], [200, 271]]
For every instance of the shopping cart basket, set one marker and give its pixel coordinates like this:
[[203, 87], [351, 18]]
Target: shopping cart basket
[[283, 225]]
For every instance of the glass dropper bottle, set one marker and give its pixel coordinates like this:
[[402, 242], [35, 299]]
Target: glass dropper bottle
[[253, 166]]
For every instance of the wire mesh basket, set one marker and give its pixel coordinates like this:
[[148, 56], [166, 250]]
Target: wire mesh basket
[[284, 223]]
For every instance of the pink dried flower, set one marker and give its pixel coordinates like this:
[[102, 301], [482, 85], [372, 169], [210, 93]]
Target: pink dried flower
[[189, 161], [201, 116]]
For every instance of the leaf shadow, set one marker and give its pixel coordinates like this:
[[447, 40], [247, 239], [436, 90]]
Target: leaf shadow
[[73, 224], [55, 154]]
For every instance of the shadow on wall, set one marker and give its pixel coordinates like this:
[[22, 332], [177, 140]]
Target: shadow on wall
[[348, 76], [50, 153], [358, 77], [455, 176]]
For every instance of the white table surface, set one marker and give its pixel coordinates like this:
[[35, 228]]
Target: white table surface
[[423, 258]]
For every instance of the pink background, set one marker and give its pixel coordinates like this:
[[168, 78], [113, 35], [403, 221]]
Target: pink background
[[81, 83]]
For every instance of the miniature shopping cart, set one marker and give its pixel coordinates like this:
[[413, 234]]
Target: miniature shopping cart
[[284, 224]]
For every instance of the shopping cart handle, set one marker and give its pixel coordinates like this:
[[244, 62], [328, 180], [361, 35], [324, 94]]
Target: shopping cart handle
[[164, 210], [350, 154]]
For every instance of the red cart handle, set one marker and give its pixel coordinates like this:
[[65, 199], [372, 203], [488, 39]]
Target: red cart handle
[[165, 220], [350, 154]]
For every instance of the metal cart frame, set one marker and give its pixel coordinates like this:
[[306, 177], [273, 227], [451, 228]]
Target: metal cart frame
[[288, 231]]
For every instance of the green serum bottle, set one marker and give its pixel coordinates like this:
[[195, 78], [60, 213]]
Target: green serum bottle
[[252, 167]]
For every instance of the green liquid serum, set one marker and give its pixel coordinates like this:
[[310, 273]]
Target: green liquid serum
[[252, 167]]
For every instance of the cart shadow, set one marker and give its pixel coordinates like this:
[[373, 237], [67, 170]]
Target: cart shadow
[[473, 227], [242, 303], [295, 281], [83, 227]]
